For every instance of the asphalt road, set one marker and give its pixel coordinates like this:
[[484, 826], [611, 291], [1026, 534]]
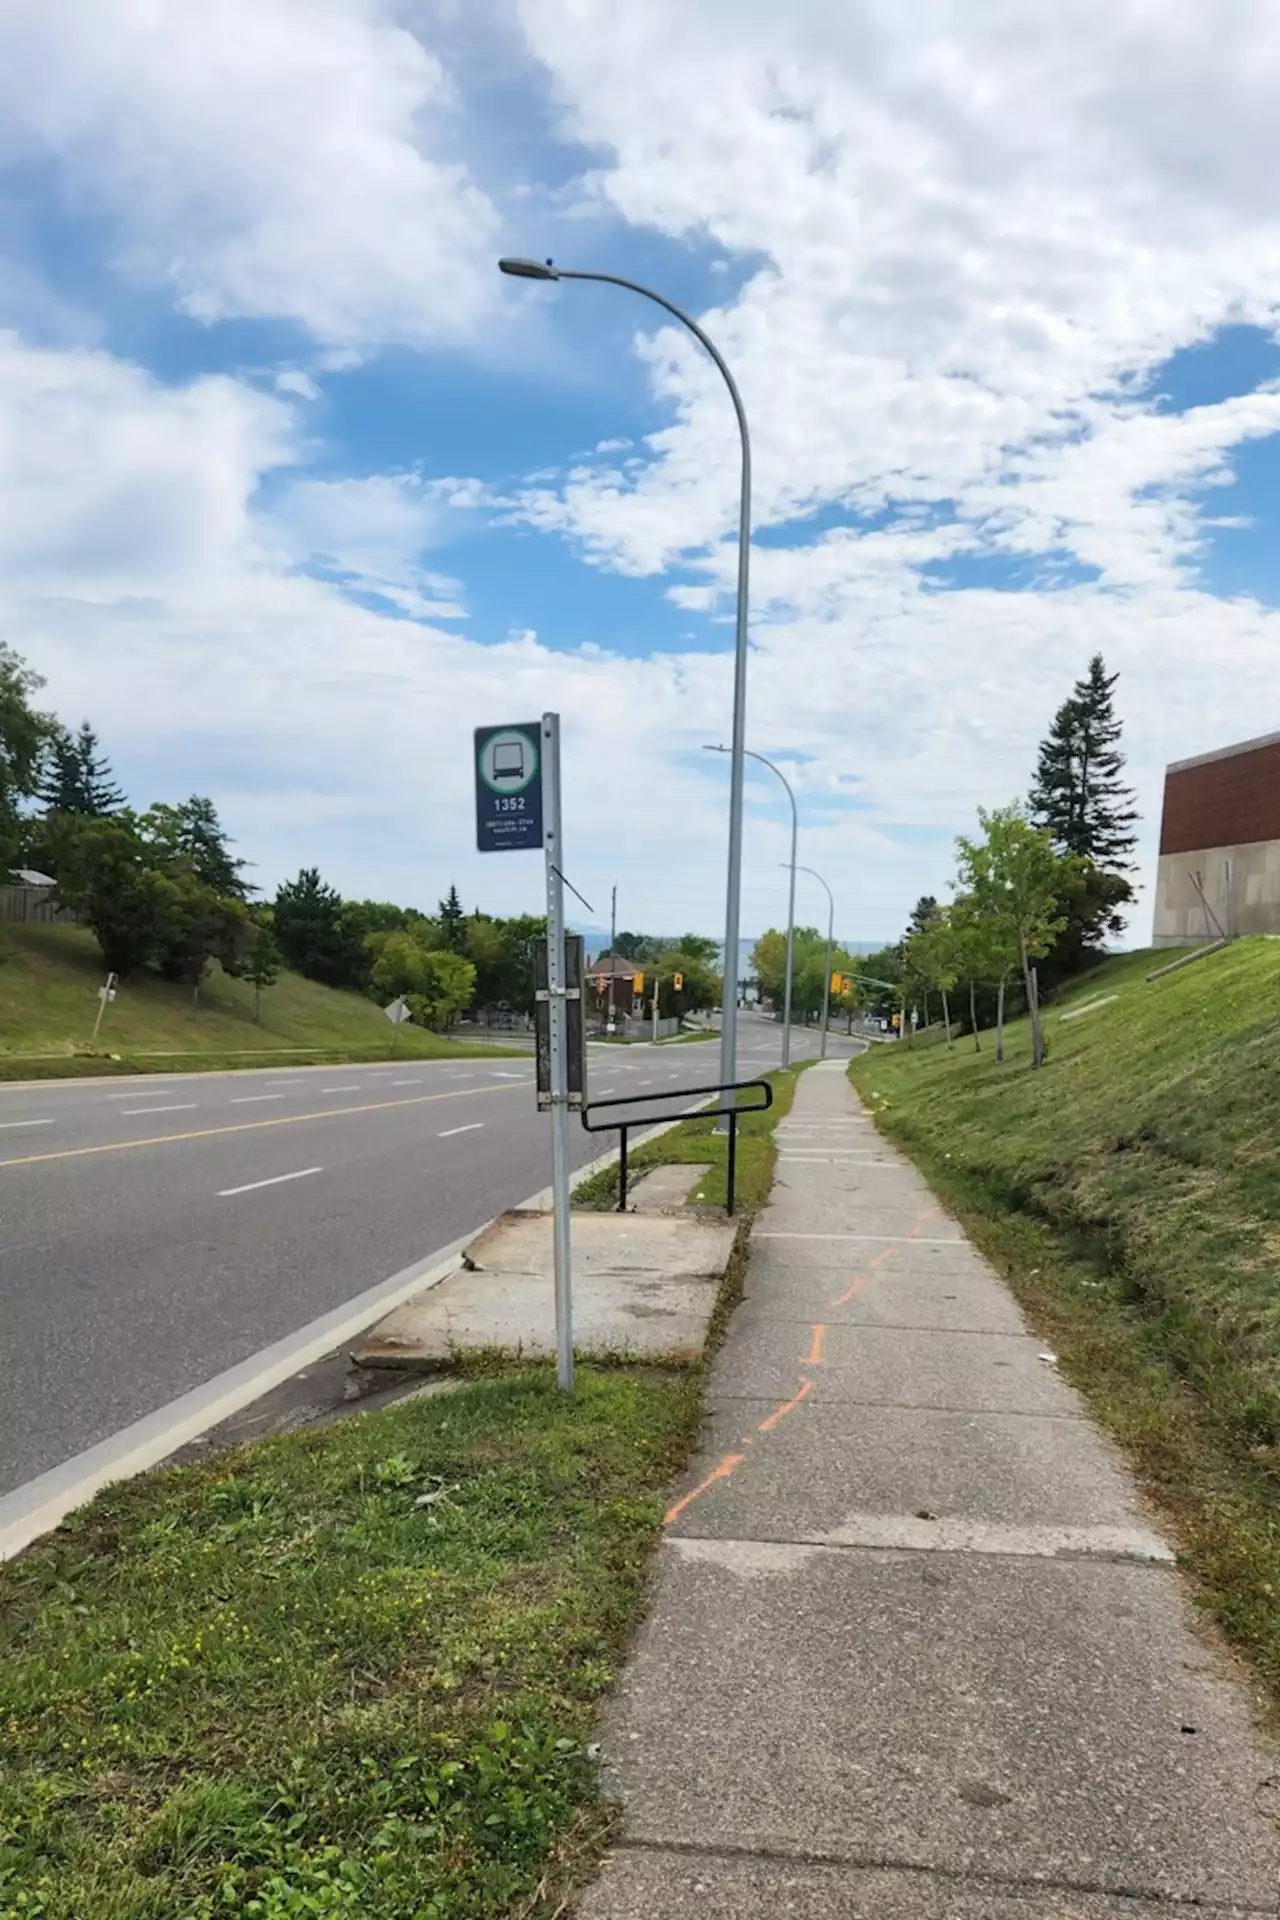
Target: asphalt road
[[157, 1231]]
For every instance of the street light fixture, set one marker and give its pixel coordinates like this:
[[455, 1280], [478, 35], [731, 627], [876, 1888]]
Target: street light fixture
[[545, 270], [826, 978], [791, 902]]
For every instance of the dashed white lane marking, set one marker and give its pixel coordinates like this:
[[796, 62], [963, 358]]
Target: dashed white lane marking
[[353, 1087], [251, 1099], [498, 1075], [415, 1082], [473, 1126], [286, 1083], [25, 1123], [226, 1193], [183, 1106]]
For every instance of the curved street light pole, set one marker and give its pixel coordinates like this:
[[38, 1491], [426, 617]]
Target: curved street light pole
[[791, 902], [826, 982], [540, 270]]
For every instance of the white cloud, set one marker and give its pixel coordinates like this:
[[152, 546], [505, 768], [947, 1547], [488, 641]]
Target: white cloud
[[965, 239], [966, 225], [372, 533], [259, 157], [962, 232]]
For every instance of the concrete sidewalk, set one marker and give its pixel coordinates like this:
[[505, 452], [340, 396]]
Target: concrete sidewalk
[[914, 1649]]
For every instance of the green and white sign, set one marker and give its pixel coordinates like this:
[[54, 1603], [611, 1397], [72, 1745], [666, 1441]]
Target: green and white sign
[[509, 787]]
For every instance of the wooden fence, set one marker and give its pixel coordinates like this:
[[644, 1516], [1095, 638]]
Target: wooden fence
[[34, 904]]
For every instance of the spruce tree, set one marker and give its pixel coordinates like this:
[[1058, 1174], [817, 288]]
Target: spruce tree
[[451, 920], [1079, 796], [77, 776]]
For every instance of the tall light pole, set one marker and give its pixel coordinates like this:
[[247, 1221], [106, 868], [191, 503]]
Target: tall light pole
[[791, 902], [544, 270], [826, 978]]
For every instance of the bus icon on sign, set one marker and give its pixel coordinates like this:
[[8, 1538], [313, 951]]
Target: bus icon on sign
[[508, 760]]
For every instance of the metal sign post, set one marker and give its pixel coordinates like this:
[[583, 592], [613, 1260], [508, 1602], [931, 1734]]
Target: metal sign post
[[557, 992], [518, 806]]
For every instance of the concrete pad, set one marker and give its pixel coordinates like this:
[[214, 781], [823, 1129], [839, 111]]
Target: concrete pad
[[894, 1366], [1002, 1717], [666, 1188], [779, 1286], [641, 1284], [653, 1883], [829, 1461]]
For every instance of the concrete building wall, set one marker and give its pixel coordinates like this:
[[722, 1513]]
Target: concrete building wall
[[1219, 845], [1241, 885], [1219, 866]]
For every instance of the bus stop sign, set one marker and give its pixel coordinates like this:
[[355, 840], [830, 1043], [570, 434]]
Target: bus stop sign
[[509, 787]]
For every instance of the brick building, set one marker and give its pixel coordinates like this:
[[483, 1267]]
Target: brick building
[[1219, 867]]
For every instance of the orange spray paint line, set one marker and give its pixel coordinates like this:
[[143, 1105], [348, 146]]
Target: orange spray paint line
[[727, 1466], [780, 1413]]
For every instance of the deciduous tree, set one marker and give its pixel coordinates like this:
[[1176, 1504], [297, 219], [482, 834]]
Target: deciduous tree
[[1017, 881], [24, 736]]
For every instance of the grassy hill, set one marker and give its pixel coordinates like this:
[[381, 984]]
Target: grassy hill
[[49, 977], [1131, 1191]]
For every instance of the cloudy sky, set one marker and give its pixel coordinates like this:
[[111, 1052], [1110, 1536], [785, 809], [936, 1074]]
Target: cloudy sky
[[296, 490]]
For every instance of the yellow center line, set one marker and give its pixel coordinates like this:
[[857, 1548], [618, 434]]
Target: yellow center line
[[250, 1126]]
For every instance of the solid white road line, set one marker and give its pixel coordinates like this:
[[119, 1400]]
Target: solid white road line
[[251, 1099], [185, 1106], [473, 1127], [26, 1123], [226, 1193]]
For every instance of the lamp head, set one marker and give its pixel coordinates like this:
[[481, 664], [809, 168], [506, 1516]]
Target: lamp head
[[528, 269]]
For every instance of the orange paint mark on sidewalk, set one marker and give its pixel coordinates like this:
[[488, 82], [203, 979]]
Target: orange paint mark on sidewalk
[[929, 1213], [727, 1466], [814, 1356], [859, 1281], [780, 1413], [887, 1253]]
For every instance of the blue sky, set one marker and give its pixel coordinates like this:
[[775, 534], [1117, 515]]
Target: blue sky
[[298, 490]]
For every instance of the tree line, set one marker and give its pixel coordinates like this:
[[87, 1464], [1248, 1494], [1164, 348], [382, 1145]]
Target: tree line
[[162, 888], [1039, 889]]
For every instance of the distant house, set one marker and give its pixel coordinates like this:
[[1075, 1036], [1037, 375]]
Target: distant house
[[29, 896], [623, 973], [1219, 869]]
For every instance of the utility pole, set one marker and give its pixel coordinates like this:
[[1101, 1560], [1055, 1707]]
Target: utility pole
[[613, 956]]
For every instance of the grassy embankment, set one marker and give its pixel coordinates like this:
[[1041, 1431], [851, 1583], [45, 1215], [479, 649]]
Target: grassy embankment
[[349, 1672], [49, 977], [1131, 1193]]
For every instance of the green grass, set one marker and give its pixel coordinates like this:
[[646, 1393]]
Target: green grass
[[280, 1684], [696, 1142], [49, 977], [1131, 1191]]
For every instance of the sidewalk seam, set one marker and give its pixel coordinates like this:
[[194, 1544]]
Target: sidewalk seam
[[888, 1863]]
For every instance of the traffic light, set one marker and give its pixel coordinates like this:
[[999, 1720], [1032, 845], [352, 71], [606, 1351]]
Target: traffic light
[[639, 983], [677, 981]]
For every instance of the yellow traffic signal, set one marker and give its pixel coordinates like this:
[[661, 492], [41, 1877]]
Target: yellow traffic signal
[[639, 982], [677, 981]]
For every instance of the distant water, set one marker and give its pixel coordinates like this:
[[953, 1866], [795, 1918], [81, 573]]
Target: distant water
[[597, 942]]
